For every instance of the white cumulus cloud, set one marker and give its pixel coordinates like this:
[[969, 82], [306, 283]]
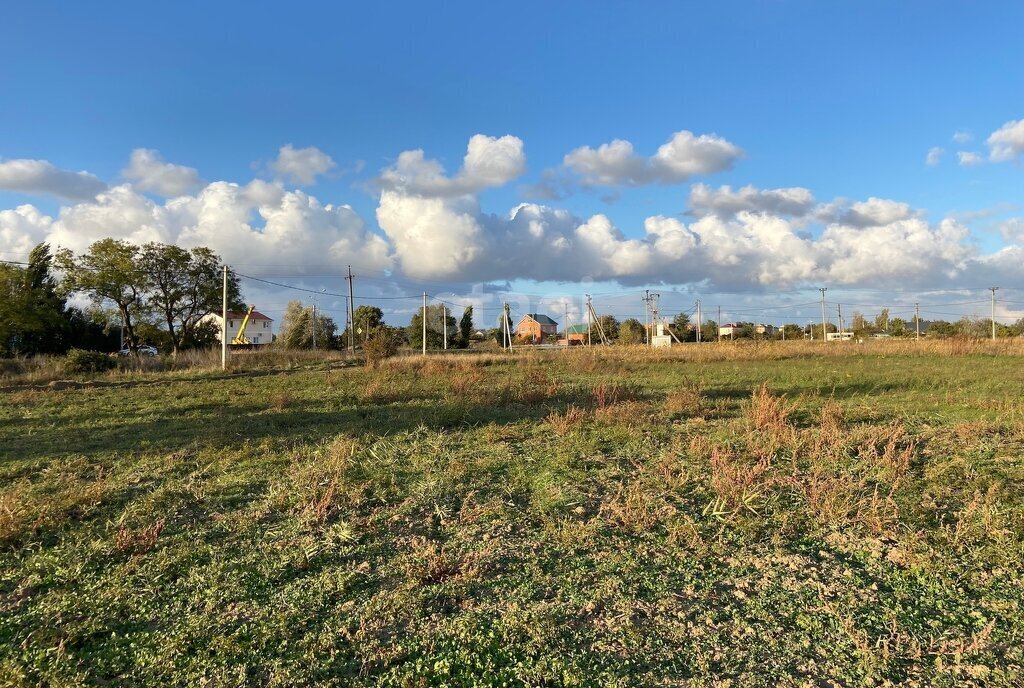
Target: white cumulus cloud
[[257, 224], [301, 165], [726, 201], [489, 162], [148, 172], [42, 177], [1007, 142], [934, 156], [683, 156], [969, 158]]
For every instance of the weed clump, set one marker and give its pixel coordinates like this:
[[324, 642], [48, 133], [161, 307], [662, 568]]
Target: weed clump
[[686, 401], [81, 362], [563, 423], [128, 541], [767, 412]]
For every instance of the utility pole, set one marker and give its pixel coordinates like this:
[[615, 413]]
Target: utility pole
[[993, 290], [312, 325], [841, 328], [444, 321], [223, 325], [917, 319], [506, 325], [351, 315], [424, 323], [565, 327], [719, 324], [654, 317], [699, 323], [590, 321], [647, 315], [824, 337]]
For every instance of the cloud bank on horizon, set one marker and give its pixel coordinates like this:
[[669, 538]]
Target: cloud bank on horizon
[[432, 225]]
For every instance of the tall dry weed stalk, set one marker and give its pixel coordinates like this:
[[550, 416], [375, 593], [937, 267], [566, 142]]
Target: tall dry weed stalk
[[738, 484], [767, 412], [563, 423]]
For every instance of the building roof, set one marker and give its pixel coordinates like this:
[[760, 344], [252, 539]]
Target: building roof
[[542, 319], [256, 315], [577, 329]]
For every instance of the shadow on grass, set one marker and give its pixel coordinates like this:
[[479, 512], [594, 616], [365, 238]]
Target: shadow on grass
[[219, 425]]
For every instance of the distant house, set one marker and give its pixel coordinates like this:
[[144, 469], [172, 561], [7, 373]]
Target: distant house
[[728, 330], [538, 326], [766, 330], [259, 330], [575, 334]]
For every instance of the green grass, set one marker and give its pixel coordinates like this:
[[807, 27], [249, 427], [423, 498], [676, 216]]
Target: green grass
[[480, 521]]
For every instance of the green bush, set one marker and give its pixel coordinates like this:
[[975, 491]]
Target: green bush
[[79, 361], [382, 343]]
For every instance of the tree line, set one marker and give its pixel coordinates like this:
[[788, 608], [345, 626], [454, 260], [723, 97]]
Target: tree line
[[301, 329], [156, 293]]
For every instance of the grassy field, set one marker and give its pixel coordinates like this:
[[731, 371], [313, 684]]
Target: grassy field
[[717, 515]]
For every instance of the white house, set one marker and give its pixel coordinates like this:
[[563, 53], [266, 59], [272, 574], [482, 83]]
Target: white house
[[728, 329], [259, 330]]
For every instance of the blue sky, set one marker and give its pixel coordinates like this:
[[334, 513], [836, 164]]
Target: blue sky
[[842, 99]]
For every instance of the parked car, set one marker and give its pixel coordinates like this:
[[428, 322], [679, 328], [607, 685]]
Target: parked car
[[144, 350]]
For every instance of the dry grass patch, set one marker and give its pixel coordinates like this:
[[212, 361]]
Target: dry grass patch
[[128, 541], [628, 413], [605, 394], [687, 401], [565, 422], [767, 412], [636, 507], [738, 484]]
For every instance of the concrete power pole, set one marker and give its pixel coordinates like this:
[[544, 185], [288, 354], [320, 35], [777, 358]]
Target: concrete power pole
[[647, 315], [993, 290], [351, 315], [312, 325], [506, 324], [719, 324], [699, 319], [653, 317], [223, 325], [824, 336], [917, 319], [839, 306], [444, 324], [590, 320], [424, 323]]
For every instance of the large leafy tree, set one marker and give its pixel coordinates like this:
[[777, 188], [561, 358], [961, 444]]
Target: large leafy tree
[[437, 317], [681, 327], [298, 328], [32, 311], [368, 319], [631, 331], [610, 325], [183, 287], [110, 271], [466, 327]]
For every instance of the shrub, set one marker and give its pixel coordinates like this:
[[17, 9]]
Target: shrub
[[380, 345], [79, 361]]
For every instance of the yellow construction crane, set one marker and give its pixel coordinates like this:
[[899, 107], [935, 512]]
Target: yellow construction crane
[[240, 338]]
